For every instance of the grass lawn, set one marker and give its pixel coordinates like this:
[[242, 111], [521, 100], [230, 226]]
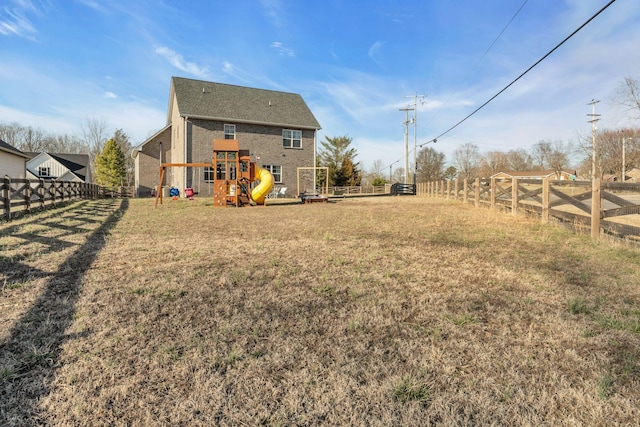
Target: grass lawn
[[372, 311]]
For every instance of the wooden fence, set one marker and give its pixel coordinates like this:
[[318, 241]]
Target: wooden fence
[[22, 195], [358, 189], [617, 205]]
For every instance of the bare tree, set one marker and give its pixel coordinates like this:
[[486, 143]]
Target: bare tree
[[94, 134], [12, 134], [23, 138], [36, 140], [552, 155], [611, 144], [540, 153], [430, 165], [466, 159], [397, 175], [492, 163], [519, 160], [375, 174], [628, 95]]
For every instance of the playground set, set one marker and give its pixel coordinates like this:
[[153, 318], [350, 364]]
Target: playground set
[[234, 175]]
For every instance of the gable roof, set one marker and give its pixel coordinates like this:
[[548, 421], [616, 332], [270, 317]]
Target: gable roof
[[77, 164], [10, 149], [532, 174], [238, 104], [136, 150]]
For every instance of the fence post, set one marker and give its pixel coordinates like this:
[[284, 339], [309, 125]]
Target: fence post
[[596, 206], [493, 192], [41, 193], [448, 189], [514, 196], [27, 195], [455, 190], [545, 200], [6, 196], [477, 192], [465, 189]]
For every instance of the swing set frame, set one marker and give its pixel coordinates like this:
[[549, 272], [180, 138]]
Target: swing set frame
[[171, 165]]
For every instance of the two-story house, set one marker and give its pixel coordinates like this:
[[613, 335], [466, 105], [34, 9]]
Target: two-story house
[[277, 128]]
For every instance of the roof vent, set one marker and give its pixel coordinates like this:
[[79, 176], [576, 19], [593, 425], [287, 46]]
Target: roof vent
[[269, 103]]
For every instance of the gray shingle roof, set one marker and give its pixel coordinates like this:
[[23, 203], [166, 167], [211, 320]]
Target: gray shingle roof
[[76, 163], [11, 149], [223, 102]]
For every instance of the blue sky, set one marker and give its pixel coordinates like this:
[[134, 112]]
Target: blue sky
[[356, 63]]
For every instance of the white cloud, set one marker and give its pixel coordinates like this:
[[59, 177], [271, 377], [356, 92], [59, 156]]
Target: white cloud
[[374, 52], [237, 74], [110, 95], [91, 4], [282, 50], [14, 20], [272, 8], [178, 61]]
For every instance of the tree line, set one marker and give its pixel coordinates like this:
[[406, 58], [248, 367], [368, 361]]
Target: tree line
[[615, 150], [109, 155]]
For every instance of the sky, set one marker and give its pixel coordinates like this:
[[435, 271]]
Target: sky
[[356, 64]]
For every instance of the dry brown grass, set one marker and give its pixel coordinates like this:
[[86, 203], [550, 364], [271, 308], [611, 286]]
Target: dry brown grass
[[382, 311]]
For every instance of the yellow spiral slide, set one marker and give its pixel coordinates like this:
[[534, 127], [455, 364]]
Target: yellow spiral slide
[[260, 192]]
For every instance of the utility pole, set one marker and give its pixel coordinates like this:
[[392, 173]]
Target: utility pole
[[415, 97], [624, 160], [406, 143], [596, 202], [594, 128]]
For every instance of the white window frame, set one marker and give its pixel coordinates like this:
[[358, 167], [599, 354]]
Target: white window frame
[[45, 169], [208, 174], [276, 171], [292, 138], [227, 131]]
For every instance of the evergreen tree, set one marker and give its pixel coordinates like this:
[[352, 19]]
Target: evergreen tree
[[333, 154], [110, 165], [122, 139], [349, 175]]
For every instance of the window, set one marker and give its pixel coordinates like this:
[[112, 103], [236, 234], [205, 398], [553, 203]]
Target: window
[[221, 170], [229, 131], [208, 174], [291, 138], [44, 171], [276, 171]]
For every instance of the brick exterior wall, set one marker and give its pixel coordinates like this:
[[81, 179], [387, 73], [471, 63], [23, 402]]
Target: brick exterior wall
[[264, 143], [147, 163]]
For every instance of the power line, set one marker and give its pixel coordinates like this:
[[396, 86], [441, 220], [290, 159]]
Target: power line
[[523, 74], [527, 70], [492, 43]]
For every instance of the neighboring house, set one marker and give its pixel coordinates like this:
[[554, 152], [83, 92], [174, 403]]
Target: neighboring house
[[562, 175], [633, 175], [61, 167], [277, 128], [12, 161]]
